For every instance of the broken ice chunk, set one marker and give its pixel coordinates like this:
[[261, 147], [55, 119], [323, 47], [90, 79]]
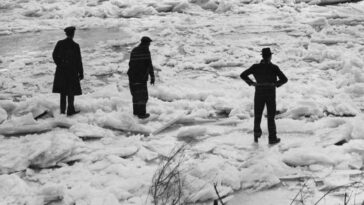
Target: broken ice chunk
[[191, 133], [52, 193], [89, 131], [14, 190], [3, 115]]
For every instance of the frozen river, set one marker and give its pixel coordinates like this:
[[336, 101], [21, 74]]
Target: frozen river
[[198, 52], [21, 43]]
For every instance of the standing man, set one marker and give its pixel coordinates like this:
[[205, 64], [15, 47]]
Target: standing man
[[140, 67], [265, 74], [69, 71]]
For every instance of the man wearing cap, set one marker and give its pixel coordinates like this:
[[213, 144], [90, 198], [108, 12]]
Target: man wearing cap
[[265, 74], [140, 68], [69, 71]]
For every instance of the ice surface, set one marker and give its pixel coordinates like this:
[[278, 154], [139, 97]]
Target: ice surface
[[89, 131], [39, 151], [14, 190], [358, 129], [253, 177], [122, 121], [199, 49], [52, 193], [215, 169], [339, 134], [191, 133], [28, 125], [199, 190], [3, 115], [300, 156]]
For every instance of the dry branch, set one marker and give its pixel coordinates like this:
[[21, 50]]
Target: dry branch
[[167, 183], [218, 195]]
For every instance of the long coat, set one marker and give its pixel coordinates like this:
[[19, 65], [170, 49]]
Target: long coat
[[140, 65], [67, 57]]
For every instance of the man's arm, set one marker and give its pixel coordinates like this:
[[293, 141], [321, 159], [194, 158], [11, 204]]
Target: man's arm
[[151, 70], [245, 75], [55, 55], [282, 78], [80, 66]]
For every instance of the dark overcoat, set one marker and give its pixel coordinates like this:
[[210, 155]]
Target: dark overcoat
[[140, 65], [67, 57]]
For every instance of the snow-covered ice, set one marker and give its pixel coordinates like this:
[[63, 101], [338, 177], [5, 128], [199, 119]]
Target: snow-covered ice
[[105, 155]]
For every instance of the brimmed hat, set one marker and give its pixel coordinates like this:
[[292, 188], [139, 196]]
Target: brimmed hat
[[266, 52], [69, 29], [146, 39]]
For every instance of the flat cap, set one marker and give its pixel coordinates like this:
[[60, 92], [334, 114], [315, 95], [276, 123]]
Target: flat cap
[[146, 39], [69, 29]]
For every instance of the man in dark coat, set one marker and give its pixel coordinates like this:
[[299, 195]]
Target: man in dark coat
[[140, 67], [265, 74], [69, 71]]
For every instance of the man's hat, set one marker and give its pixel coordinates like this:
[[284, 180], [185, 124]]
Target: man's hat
[[146, 39], [266, 52], [70, 29]]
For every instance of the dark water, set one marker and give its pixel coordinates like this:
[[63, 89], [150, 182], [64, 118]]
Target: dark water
[[46, 40]]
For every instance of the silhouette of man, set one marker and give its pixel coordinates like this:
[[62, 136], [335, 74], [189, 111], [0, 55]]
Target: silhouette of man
[[69, 71], [265, 74], [140, 67]]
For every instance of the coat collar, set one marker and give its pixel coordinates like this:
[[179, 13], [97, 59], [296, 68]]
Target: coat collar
[[265, 62]]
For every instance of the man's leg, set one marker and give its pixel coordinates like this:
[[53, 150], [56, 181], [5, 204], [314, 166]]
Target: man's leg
[[63, 103], [71, 106], [259, 102], [139, 93], [134, 98], [142, 107], [135, 108], [144, 102], [271, 112], [139, 109]]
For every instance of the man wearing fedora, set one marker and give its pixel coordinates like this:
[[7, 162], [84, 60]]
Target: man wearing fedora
[[69, 71], [265, 74], [140, 68]]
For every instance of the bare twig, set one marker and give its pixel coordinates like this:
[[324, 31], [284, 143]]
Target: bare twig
[[323, 196], [335, 188], [167, 184], [218, 195], [298, 193]]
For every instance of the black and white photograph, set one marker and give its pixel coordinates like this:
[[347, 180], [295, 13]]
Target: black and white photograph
[[181, 102]]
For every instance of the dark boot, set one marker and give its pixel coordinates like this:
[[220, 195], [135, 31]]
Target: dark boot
[[274, 141], [70, 113], [143, 113], [146, 115], [138, 109], [257, 136]]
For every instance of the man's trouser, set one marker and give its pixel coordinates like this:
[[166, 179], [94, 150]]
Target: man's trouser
[[139, 92], [71, 99], [260, 100]]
